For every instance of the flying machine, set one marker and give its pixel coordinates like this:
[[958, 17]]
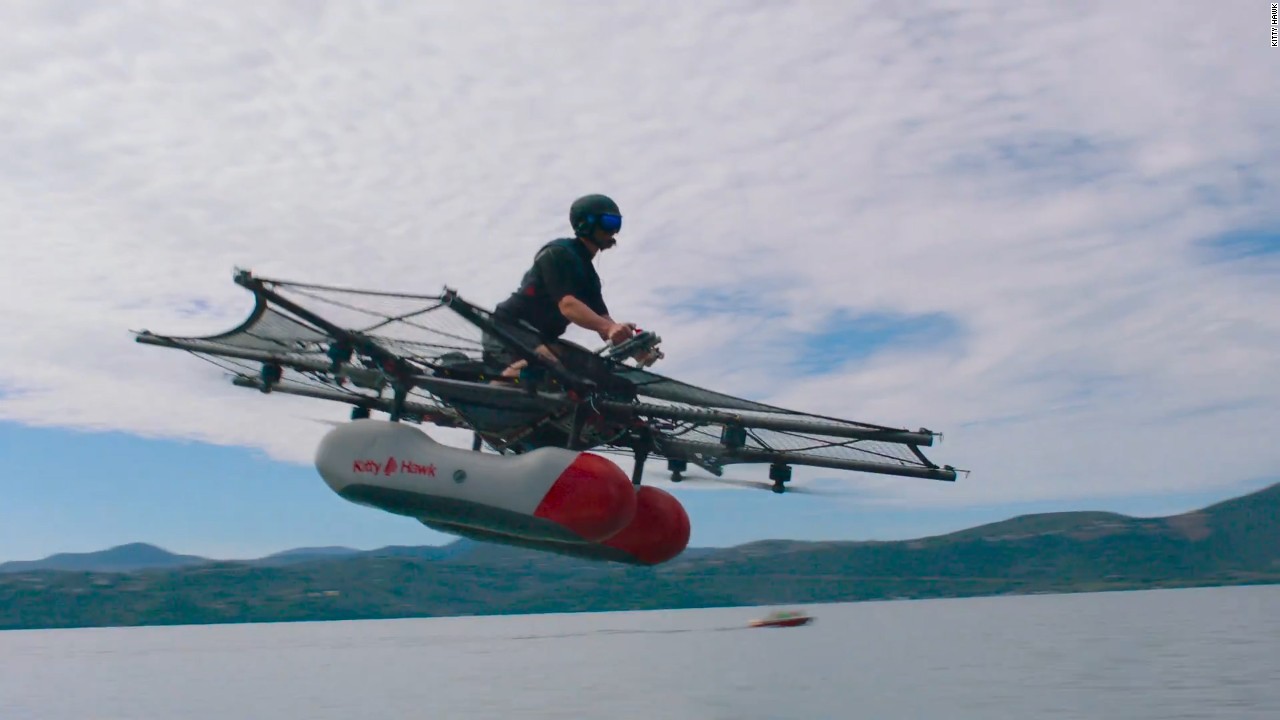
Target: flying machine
[[535, 475]]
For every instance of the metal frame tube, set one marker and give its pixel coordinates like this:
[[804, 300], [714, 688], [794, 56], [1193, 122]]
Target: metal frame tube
[[686, 448], [783, 423]]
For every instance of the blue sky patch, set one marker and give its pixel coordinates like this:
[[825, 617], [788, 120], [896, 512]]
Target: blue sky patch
[[1243, 244], [846, 337], [73, 491], [1033, 152], [195, 307], [723, 301], [1038, 160]]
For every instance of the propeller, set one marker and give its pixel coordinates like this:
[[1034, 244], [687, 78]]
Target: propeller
[[331, 423], [356, 414], [776, 487]]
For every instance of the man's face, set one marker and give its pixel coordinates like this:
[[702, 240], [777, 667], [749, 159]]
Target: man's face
[[603, 239]]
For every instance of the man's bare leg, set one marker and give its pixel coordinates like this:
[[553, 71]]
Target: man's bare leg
[[513, 370]]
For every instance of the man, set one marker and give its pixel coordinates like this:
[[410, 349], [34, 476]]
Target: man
[[562, 286]]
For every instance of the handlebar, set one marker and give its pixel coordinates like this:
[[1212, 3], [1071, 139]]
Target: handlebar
[[638, 344]]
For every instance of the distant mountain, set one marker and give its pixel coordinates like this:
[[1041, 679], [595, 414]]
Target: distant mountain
[[122, 558], [1233, 542], [141, 556], [425, 552], [302, 555], [320, 554]]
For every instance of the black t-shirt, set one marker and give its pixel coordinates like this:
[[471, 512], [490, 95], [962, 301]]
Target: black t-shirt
[[561, 267]]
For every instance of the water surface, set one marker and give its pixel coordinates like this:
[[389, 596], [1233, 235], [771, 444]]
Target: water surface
[[1199, 653]]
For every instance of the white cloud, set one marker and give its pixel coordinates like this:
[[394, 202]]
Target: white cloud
[[1040, 176]]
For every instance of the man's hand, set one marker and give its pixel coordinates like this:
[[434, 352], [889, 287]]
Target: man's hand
[[618, 332]]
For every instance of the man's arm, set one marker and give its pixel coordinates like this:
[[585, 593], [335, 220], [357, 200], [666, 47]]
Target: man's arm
[[577, 312]]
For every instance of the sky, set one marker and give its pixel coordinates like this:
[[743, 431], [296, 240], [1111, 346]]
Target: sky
[[1049, 236]]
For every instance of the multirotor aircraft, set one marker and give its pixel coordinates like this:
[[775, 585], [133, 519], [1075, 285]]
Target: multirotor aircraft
[[533, 476]]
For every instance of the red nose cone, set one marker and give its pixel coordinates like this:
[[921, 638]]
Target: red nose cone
[[660, 530], [592, 497]]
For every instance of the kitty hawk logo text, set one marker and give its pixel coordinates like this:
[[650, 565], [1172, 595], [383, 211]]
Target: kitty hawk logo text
[[391, 466]]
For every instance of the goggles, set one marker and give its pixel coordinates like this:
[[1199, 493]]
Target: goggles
[[609, 222]]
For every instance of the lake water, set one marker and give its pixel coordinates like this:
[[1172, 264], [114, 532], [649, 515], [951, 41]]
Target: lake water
[[1198, 653]]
